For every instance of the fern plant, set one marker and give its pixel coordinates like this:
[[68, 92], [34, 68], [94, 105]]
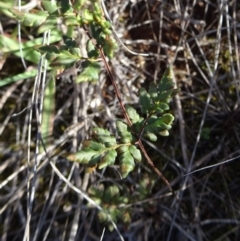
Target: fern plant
[[125, 148], [105, 149]]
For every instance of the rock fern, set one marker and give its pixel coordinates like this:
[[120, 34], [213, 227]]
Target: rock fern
[[105, 149]]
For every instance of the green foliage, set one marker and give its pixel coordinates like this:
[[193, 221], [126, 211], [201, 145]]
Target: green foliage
[[64, 55], [115, 201], [30, 19], [105, 149], [124, 132], [50, 7], [110, 199], [90, 72], [157, 98]]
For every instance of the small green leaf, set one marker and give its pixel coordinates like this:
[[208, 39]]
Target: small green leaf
[[91, 153], [104, 136], [124, 132], [111, 191], [75, 51], [122, 149], [91, 50], [156, 124], [159, 95], [90, 72], [96, 146], [49, 6], [106, 28], [5, 6], [150, 136], [49, 23], [168, 75], [126, 217], [70, 19], [65, 58], [88, 16], [83, 156], [33, 19], [126, 163], [153, 91], [96, 9], [165, 96], [164, 133], [108, 159], [109, 46], [158, 110], [132, 113], [161, 107], [145, 101], [160, 124], [168, 118], [92, 164], [78, 4], [166, 85], [136, 153], [145, 186], [102, 216], [96, 192]]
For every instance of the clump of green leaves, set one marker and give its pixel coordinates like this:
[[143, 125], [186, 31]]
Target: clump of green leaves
[[105, 149], [115, 200], [112, 201]]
